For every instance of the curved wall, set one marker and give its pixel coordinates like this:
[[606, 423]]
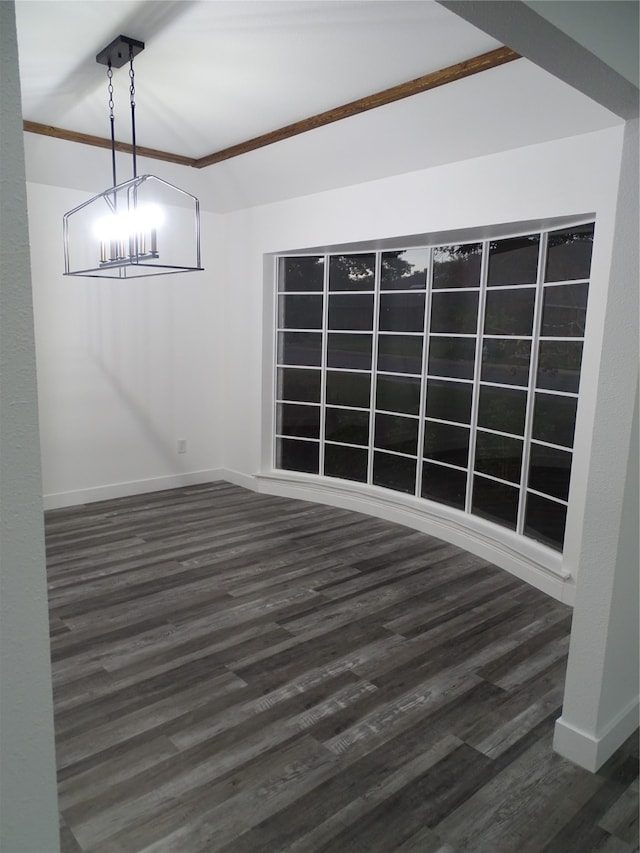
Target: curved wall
[[568, 178]]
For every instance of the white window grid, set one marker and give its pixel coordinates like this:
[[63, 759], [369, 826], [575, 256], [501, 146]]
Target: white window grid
[[375, 333]]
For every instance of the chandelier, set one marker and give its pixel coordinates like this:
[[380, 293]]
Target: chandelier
[[141, 227]]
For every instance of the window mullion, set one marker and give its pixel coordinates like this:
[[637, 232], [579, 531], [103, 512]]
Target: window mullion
[[477, 369], [323, 362], [425, 369], [533, 372], [274, 402], [374, 362]]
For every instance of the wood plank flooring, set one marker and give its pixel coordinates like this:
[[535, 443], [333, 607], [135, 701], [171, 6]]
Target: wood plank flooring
[[240, 672]]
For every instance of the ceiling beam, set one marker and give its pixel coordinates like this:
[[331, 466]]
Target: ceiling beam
[[387, 96], [433, 80], [103, 142]]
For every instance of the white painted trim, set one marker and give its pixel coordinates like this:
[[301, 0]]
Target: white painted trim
[[58, 500], [592, 750], [529, 561], [246, 481]]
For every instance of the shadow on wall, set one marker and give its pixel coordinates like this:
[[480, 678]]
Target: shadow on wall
[[132, 349]]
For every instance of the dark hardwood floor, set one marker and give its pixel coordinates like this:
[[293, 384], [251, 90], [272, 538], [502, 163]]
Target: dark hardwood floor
[[239, 672]]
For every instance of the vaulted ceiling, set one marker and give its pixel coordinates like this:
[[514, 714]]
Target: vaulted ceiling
[[215, 73]]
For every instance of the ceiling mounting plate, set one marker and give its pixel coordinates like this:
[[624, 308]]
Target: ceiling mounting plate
[[118, 51]]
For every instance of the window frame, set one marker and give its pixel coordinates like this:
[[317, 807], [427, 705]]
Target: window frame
[[531, 389]]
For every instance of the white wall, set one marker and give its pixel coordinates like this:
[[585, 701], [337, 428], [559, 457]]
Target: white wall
[[601, 694], [28, 802], [569, 177], [125, 369], [621, 665]]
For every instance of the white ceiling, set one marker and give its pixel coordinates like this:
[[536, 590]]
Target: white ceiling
[[215, 73]]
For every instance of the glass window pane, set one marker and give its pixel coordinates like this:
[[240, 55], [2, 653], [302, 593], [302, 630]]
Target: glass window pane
[[444, 485], [352, 272], [554, 419], [347, 425], [569, 253], [400, 353], [300, 348], [293, 455], [301, 421], [300, 312], [545, 521], [454, 313], [301, 274], [559, 365], [349, 389], [495, 501], [449, 401], [457, 266], [513, 261], [503, 409], [550, 471], [348, 463], [398, 394], [446, 443], [509, 312], [404, 270], [352, 352], [564, 310], [452, 356], [394, 472], [506, 362], [401, 312], [300, 385], [393, 432], [351, 311], [499, 456]]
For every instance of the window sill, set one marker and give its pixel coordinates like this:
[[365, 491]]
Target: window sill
[[529, 560]]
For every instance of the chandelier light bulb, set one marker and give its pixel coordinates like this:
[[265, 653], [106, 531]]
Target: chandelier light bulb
[[118, 226], [130, 233]]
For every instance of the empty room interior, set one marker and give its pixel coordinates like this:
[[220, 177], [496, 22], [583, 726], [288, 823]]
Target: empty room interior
[[319, 426]]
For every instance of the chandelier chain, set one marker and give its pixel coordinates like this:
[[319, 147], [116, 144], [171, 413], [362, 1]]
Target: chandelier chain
[[110, 89], [132, 84], [132, 97], [112, 123]]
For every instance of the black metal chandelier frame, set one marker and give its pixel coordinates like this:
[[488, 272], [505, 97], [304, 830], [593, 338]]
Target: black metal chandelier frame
[[130, 249]]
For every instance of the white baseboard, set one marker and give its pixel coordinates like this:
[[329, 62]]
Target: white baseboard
[[247, 481], [591, 750], [76, 497]]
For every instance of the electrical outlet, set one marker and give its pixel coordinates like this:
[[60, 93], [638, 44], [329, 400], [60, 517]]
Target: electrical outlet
[[182, 445]]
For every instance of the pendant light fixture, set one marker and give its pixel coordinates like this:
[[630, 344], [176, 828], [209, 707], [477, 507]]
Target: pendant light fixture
[[144, 226]]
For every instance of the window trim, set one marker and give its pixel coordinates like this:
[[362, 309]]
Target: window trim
[[420, 511]]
